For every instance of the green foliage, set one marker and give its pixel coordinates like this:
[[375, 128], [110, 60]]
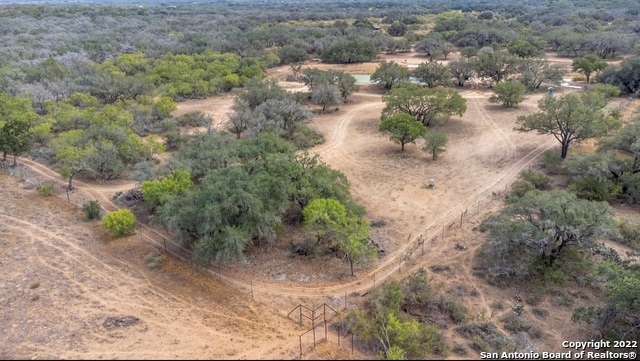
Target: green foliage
[[390, 74], [588, 64], [291, 54], [395, 353], [594, 189], [523, 49], [433, 74], [395, 318], [397, 29], [243, 190], [428, 105], [91, 209], [194, 119], [538, 179], [45, 190], [120, 222], [258, 91], [182, 76], [536, 229], [156, 192], [520, 188], [325, 217], [469, 51], [496, 65], [305, 137], [509, 93], [535, 71], [403, 127], [627, 233], [617, 161], [99, 142], [432, 45], [485, 337], [347, 51], [330, 222], [16, 118], [326, 95], [570, 118], [617, 318], [436, 141], [345, 83], [462, 70], [551, 162], [626, 76]]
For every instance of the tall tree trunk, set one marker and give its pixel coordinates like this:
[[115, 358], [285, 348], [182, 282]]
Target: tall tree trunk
[[15, 161], [351, 265], [564, 150]]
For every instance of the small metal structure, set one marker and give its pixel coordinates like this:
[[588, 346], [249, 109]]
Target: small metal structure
[[432, 183], [550, 90]]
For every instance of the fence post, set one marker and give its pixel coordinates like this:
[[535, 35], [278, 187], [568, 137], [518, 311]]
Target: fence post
[[352, 344], [324, 319], [374, 280], [313, 325], [345, 300], [300, 345]]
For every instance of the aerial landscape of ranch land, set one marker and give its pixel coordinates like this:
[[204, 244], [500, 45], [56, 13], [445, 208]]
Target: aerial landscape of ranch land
[[250, 179]]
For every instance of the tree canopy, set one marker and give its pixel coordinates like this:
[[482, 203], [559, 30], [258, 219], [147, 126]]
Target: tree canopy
[[570, 118], [428, 105], [243, 190], [538, 228], [404, 128], [16, 120], [588, 64], [390, 73]]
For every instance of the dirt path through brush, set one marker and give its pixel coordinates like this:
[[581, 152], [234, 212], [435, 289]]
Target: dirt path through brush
[[483, 157]]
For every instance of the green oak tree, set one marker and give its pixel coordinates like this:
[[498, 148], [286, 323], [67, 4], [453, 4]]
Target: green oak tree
[[16, 119], [433, 74], [570, 118], [331, 223], [496, 65], [404, 128], [538, 228], [428, 105], [390, 74], [509, 93], [436, 141], [588, 65]]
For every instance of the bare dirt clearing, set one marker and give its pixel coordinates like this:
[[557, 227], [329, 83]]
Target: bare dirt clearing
[[62, 282], [84, 278]]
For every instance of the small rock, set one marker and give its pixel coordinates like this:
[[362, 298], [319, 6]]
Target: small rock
[[29, 184]]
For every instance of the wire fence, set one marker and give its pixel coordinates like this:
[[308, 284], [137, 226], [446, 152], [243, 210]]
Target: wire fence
[[410, 255]]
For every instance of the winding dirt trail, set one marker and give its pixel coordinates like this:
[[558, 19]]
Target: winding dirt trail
[[337, 152], [484, 156]]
